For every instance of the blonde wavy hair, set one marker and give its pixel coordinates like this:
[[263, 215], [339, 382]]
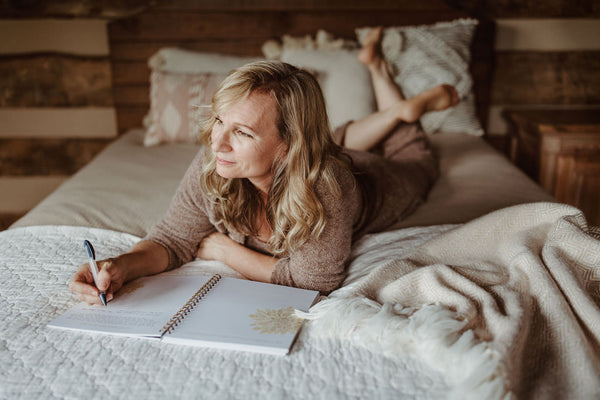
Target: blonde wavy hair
[[293, 210]]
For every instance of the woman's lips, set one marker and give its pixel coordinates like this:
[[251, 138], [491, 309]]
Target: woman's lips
[[222, 161]]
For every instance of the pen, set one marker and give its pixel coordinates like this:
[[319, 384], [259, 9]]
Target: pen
[[92, 256]]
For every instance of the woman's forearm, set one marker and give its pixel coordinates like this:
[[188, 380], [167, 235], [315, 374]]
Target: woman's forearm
[[145, 258], [252, 264]]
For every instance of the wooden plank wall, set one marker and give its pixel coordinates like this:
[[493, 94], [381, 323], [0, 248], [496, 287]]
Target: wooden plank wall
[[134, 40], [548, 61], [51, 75], [56, 108]]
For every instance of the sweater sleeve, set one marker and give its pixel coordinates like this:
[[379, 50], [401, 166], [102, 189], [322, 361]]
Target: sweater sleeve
[[185, 223], [320, 264], [339, 133]]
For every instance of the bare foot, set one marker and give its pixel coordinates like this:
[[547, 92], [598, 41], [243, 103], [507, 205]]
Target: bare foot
[[438, 98], [370, 53]]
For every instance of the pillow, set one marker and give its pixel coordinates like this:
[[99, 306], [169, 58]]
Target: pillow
[[178, 102], [345, 81], [421, 57], [182, 83], [172, 59]]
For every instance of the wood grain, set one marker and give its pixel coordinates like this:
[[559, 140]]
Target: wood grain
[[22, 157], [55, 80], [310, 5], [547, 78], [121, 9], [130, 117], [541, 8]]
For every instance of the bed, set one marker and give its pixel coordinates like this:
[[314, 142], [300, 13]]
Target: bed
[[489, 290]]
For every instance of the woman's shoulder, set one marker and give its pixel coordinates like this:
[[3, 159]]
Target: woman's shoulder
[[341, 176]]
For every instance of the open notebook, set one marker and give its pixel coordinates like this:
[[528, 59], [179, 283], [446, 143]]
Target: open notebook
[[211, 311]]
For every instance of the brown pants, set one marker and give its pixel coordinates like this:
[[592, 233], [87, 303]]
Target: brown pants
[[395, 176]]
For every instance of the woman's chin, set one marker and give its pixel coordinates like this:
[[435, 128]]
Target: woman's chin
[[225, 174]]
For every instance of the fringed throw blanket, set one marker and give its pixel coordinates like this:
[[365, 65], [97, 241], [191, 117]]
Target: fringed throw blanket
[[505, 306]]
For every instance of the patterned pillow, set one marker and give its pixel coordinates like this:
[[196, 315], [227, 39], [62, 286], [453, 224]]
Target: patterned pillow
[[182, 83], [425, 56], [178, 102]]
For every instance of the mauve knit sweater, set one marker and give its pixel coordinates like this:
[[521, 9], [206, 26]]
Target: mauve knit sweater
[[392, 182]]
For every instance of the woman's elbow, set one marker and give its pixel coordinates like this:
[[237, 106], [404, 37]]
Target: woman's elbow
[[323, 284]]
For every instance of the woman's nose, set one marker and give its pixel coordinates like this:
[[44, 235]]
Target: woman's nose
[[220, 141]]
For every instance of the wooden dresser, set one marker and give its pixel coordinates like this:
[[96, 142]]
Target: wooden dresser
[[560, 149]]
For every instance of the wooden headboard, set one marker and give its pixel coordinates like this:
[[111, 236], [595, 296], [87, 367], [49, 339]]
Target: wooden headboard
[[242, 29]]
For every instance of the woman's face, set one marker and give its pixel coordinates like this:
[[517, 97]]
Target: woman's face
[[246, 141]]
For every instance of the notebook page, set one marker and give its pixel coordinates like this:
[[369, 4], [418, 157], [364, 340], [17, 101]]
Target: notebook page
[[245, 315], [140, 308]]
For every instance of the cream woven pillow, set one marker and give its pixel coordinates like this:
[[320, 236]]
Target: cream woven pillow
[[425, 56]]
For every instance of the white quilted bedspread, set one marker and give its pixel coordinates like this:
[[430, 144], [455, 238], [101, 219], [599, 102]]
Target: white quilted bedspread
[[37, 362]]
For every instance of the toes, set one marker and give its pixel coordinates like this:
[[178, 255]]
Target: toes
[[452, 93], [373, 37], [455, 97], [370, 53]]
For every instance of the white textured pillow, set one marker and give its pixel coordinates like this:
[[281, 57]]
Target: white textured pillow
[[345, 82], [422, 57]]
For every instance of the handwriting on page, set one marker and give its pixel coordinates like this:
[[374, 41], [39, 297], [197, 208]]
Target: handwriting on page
[[108, 318]]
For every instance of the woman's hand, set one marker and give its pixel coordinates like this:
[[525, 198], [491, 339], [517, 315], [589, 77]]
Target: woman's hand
[[216, 246], [145, 258], [111, 276]]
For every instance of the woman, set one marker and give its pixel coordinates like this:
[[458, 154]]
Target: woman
[[273, 196]]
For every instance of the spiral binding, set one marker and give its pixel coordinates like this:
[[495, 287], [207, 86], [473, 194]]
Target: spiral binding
[[189, 306]]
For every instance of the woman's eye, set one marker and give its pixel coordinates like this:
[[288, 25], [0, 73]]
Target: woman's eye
[[219, 120], [242, 133]]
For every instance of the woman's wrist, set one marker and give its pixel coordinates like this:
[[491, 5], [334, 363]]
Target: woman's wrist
[[123, 264], [145, 258], [232, 252]]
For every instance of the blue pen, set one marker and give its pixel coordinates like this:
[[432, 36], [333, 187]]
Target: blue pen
[[92, 256]]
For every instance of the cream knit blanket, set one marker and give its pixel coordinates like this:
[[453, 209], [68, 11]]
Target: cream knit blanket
[[513, 297]]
